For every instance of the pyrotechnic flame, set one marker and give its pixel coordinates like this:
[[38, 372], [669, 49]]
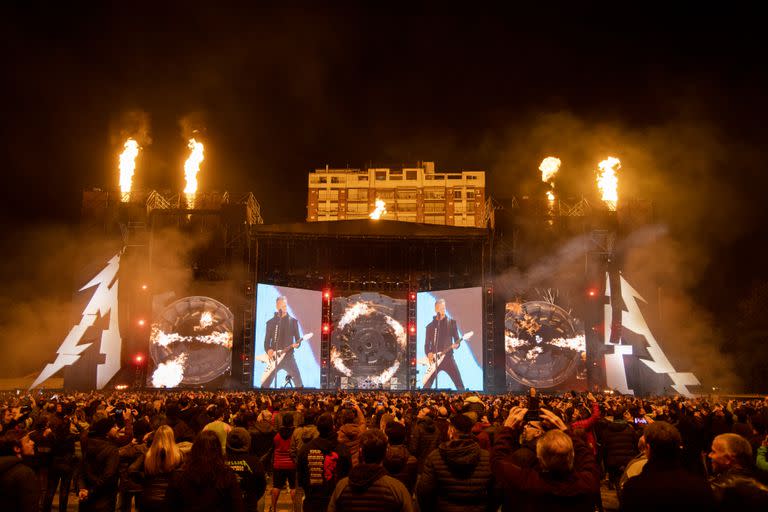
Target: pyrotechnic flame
[[550, 196], [338, 362], [191, 168], [549, 167], [354, 311], [608, 181], [158, 337], [381, 210], [127, 167], [170, 373], [206, 319]]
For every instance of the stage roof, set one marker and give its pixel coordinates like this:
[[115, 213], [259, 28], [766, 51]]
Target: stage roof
[[367, 228]]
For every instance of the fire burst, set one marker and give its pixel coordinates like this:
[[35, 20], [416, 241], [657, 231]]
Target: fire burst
[[381, 210], [191, 168], [127, 167], [549, 167], [170, 373], [608, 181]]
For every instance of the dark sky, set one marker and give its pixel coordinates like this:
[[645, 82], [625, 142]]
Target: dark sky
[[278, 92]]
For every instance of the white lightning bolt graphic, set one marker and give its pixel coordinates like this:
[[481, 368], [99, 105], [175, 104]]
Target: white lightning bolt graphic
[[104, 301], [615, 372], [635, 322]]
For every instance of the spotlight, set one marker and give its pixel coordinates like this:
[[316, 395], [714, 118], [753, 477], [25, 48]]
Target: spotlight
[[412, 329], [592, 292], [326, 328], [141, 322], [412, 296], [327, 294], [144, 287], [138, 358]]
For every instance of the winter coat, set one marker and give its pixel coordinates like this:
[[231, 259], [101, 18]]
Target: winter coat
[[262, 438], [457, 477], [666, 485], [185, 495], [18, 485], [349, 436], [424, 438], [739, 489], [531, 489], [368, 488], [400, 464], [619, 442], [321, 464], [99, 472], [153, 487]]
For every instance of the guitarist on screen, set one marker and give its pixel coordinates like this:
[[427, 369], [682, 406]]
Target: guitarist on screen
[[443, 337], [282, 333]]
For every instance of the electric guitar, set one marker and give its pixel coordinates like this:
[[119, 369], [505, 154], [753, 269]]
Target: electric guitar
[[273, 362], [433, 366]]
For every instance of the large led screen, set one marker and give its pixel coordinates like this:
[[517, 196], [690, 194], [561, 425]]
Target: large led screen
[[190, 342], [369, 342], [544, 343], [449, 339], [287, 337]]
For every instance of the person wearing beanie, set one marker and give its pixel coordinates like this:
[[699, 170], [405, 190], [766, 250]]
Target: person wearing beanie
[[398, 461], [457, 475], [321, 463], [99, 471], [248, 467]]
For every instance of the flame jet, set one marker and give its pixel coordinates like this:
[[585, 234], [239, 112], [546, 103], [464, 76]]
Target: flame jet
[[381, 210], [608, 181], [191, 168], [127, 167]]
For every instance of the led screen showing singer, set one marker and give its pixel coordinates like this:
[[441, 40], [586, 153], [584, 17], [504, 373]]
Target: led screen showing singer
[[287, 337], [449, 339]]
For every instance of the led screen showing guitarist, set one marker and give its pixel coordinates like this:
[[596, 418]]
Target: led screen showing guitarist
[[281, 339], [441, 339]]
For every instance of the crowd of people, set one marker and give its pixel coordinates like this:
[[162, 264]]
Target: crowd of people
[[379, 451]]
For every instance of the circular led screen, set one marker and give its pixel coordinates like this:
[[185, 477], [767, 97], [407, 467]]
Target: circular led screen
[[191, 342]]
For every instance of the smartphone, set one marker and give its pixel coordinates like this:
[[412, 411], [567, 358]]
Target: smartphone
[[640, 421]]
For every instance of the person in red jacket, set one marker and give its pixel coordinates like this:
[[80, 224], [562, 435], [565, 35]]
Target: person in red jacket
[[284, 468], [587, 425]]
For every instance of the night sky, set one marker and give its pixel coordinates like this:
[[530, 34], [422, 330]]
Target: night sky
[[276, 93]]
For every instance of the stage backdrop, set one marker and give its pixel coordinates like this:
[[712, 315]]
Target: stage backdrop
[[305, 306], [464, 307]]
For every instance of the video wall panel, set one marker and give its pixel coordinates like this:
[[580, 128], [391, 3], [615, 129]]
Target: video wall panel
[[287, 337], [544, 342], [369, 341], [449, 339]]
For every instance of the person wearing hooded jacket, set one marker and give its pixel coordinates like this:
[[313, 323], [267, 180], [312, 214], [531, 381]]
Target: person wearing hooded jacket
[[321, 463], [457, 475], [368, 488], [399, 462]]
